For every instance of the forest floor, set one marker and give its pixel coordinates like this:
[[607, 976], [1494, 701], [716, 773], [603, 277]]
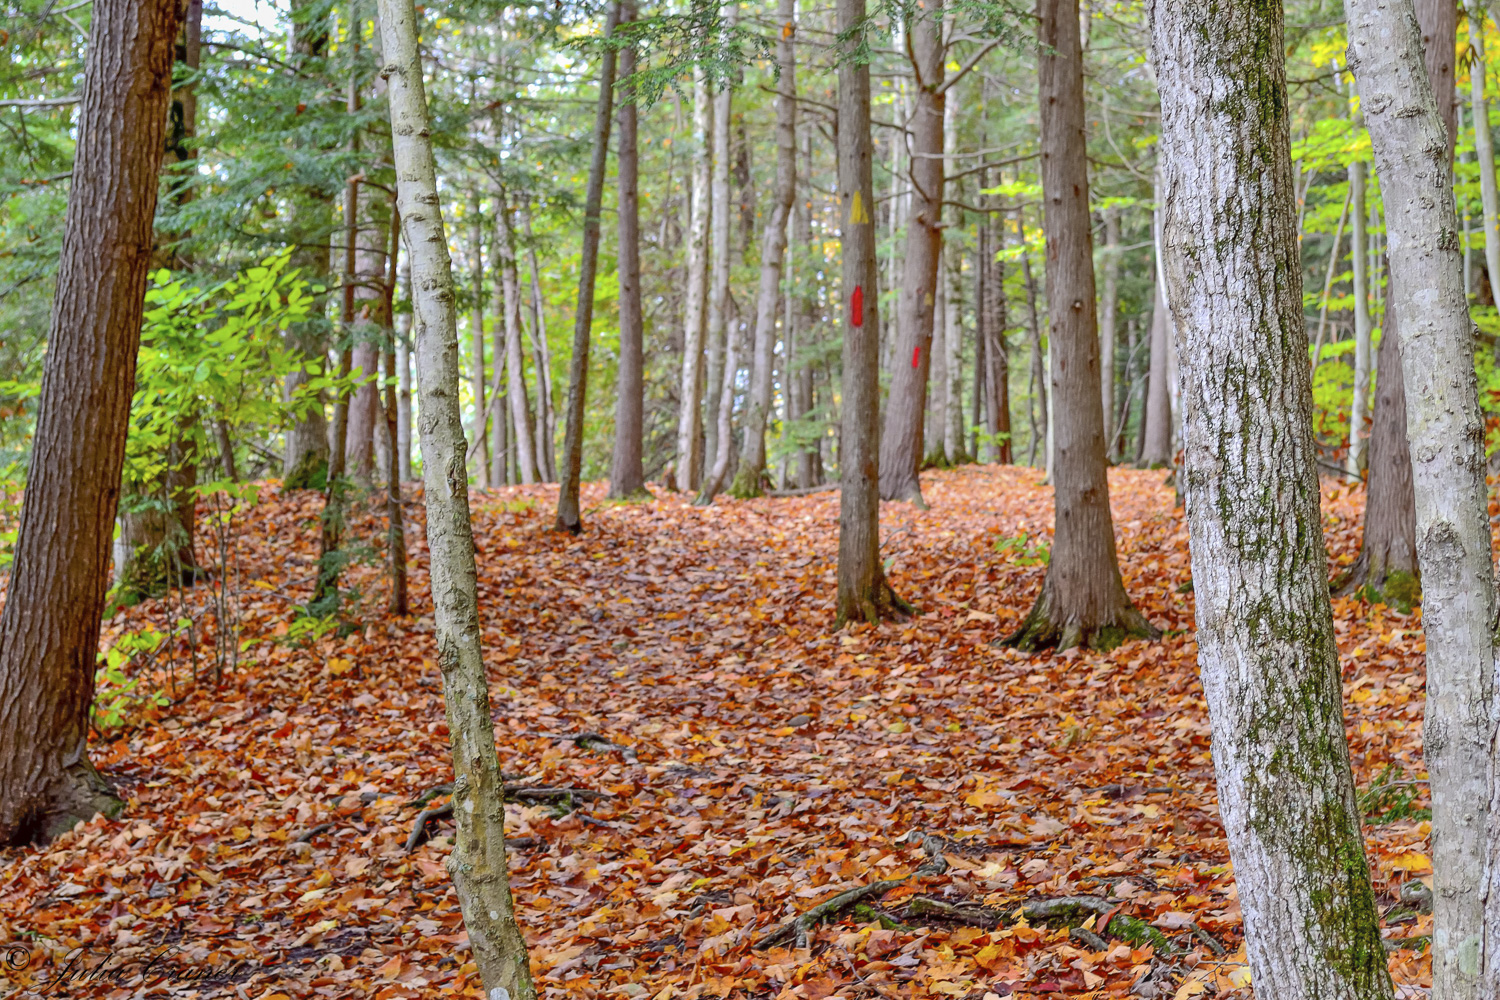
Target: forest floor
[[762, 764]]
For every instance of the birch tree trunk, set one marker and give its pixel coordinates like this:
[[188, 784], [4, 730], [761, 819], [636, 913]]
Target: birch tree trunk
[[690, 391], [863, 592], [486, 477], [1484, 144], [719, 225], [905, 411], [1359, 250], [569, 514], [1267, 654], [627, 479], [747, 477], [49, 626], [1083, 600], [523, 434], [1108, 304], [546, 423], [403, 376], [1445, 430], [478, 864]]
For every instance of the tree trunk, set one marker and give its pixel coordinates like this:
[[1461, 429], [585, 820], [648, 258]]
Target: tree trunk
[[901, 442], [1445, 431], [863, 592], [747, 478], [719, 226], [1083, 600], [546, 424], [810, 461], [983, 252], [478, 863], [403, 373], [1157, 432], [49, 626], [1107, 320], [1484, 144], [569, 515], [714, 481], [1359, 251], [476, 345], [627, 478], [1267, 651], [1038, 413], [523, 434], [394, 516], [690, 395], [996, 351]]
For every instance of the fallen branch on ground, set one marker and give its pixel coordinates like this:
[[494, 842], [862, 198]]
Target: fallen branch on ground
[[1069, 910], [798, 926]]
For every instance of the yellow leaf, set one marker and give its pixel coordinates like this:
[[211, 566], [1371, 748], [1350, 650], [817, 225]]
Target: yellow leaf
[[1411, 861], [207, 876], [337, 666], [1191, 988]]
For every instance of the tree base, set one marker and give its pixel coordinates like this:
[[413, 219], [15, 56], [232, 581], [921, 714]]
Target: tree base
[[882, 603], [1379, 584], [74, 796], [747, 484], [1049, 628], [310, 473]]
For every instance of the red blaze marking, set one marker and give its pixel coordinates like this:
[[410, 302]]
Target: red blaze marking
[[916, 356], [857, 307]]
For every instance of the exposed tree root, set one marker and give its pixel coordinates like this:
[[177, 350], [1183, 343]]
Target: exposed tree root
[[1047, 628], [1070, 911], [797, 928], [513, 793]]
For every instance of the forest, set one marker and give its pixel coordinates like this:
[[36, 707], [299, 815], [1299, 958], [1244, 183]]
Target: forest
[[749, 498]]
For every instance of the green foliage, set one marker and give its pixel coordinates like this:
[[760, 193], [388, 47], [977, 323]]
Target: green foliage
[[1023, 550], [1391, 798], [115, 696]]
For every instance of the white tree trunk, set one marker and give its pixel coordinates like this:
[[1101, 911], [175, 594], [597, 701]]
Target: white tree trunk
[[690, 396], [478, 863], [1360, 407], [1484, 144], [1266, 648], [1445, 430], [720, 224]]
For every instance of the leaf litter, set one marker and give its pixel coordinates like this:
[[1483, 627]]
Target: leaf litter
[[698, 767]]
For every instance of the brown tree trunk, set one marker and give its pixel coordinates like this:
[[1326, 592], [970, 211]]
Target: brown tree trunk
[[905, 411], [627, 478], [516, 413], [569, 512], [49, 627], [476, 344], [863, 593], [1083, 601], [1156, 435], [395, 517], [996, 351]]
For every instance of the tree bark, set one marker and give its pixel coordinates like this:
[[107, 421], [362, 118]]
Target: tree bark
[[720, 223], [1359, 251], [403, 374], [569, 515], [305, 457], [810, 462], [863, 592], [901, 442], [1156, 431], [627, 478], [546, 424], [1083, 600], [476, 347], [1484, 144], [690, 393], [1107, 319], [478, 863], [394, 515], [1445, 431], [1267, 651], [523, 434], [1039, 414], [996, 351], [49, 627], [747, 478]]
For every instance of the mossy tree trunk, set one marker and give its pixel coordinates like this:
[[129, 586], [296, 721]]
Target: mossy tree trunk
[[1266, 648]]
